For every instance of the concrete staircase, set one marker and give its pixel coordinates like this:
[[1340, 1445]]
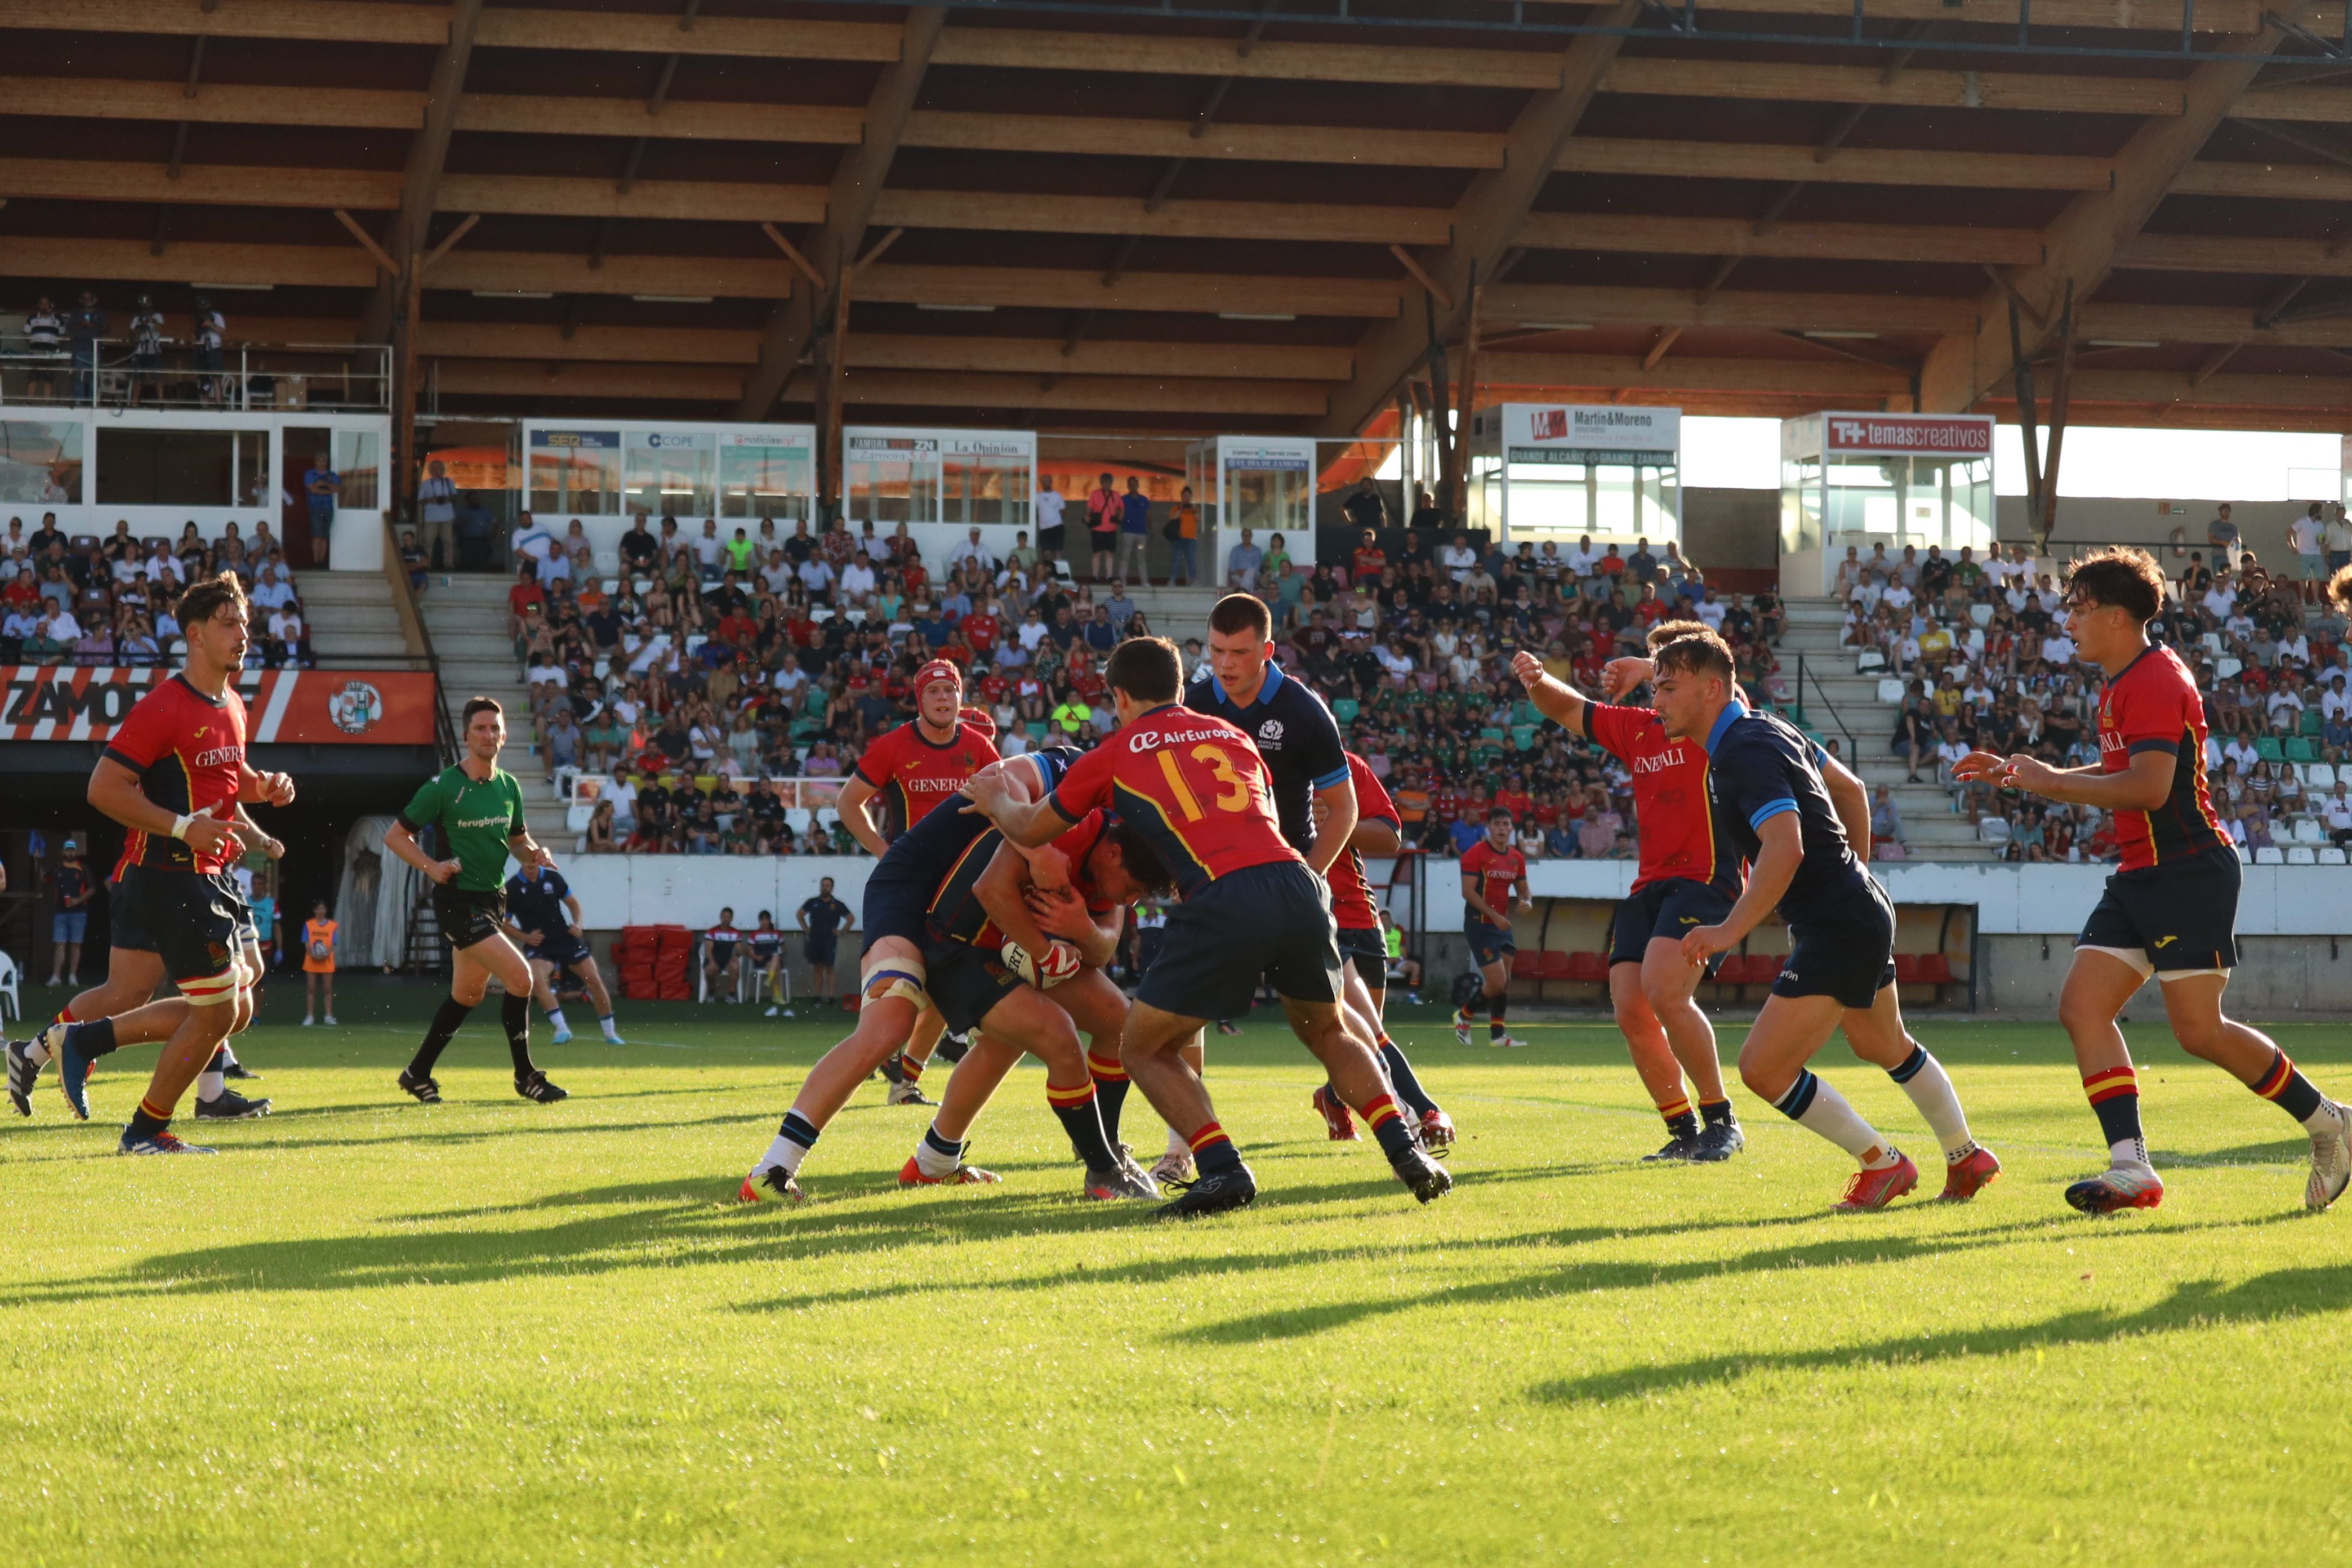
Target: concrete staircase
[[351, 617], [1837, 700], [466, 616]]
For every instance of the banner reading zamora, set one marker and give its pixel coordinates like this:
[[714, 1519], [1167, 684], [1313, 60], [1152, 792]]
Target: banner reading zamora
[[314, 706]]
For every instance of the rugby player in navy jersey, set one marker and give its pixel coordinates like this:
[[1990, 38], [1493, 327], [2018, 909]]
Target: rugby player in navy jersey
[[1771, 802]]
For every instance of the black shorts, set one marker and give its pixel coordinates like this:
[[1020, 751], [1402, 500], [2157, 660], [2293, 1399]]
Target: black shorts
[[2182, 914], [1369, 949], [560, 948], [1273, 919], [1049, 540], [191, 915], [468, 915], [896, 904], [718, 954], [1488, 944], [1847, 951], [761, 957], [965, 983], [124, 927], [1669, 908], [248, 930], [821, 949]]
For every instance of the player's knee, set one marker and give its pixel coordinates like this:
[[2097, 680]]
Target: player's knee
[[2203, 1037], [1663, 993], [2081, 1015]]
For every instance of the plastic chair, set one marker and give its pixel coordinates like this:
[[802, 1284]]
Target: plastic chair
[[2267, 747], [1558, 965], [1936, 969], [798, 818], [1864, 663], [1527, 964], [2301, 856], [2318, 775], [2300, 751], [1588, 968], [2269, 858], [1890, 690], [2331, 857], [2308, 831], [9, 1004], [1994, 830]]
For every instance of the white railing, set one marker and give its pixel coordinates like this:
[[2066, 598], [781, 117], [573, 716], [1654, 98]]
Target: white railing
[[345, 377]]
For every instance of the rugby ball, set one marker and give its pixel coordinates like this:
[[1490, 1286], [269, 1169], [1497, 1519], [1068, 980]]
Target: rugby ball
[[1061, 961], [323, 951]]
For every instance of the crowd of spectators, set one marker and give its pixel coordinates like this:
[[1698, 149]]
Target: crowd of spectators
[[1974, 655], [718, 661], [84, 600]]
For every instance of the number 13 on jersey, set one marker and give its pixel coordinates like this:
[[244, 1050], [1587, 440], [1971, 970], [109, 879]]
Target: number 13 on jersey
[[1234, 793]]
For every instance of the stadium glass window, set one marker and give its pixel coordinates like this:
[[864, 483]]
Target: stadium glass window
[[40, 462], [893, 480], [986, 487], [761, 480], [672, 473], [576, 472], [359, 457], [181, 468]]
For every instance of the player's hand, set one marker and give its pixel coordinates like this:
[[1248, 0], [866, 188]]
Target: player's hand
[[2031, 775], [1059, 912], [274, 848], [1049, 868], [1524, 906], [1701, 943], [278, 788], [1527, 669], [443, 871], [1620, 676], [536, 855], [1981, 765], [573, 928], [211, 836]]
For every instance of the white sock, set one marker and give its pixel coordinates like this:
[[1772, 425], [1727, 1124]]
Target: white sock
[[1178, 1144], [1930, 1088], [555, 1017], [209, 1085], [605, 1022], [37, 1050], [931, 1160], [2131, 1152], [785, 1152], [2324, 1119], [1816, 1107], [226, 1057]]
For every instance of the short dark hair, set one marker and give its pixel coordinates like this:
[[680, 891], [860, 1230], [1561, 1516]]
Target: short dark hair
[[1500, 814], [1665, 632], [1148, 669], [207, 597], [1696, 652], [2126, 578], [1242, 613], [480, 705], [1142, 860]]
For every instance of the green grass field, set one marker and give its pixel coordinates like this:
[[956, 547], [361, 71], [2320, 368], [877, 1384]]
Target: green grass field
[[491, 1333]]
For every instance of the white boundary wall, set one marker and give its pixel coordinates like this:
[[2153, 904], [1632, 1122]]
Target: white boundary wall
[[2010, 901]]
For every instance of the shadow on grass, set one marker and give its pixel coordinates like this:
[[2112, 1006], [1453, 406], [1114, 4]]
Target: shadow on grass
[[2202, 1303]]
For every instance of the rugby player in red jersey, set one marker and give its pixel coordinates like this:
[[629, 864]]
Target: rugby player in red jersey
[[1363, 947], [2170, 909], [989, 898], [124, 1002], [1494, 887], [922, 762], [1688, 877], [1200, 794], [173, 772]]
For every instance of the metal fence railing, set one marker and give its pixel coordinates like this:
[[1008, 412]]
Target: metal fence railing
[[329, 378]]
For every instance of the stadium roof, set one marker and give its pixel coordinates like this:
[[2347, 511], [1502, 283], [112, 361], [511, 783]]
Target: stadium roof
[[1222, 216]]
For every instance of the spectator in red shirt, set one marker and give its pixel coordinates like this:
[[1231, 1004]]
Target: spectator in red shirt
[[1513, 797], [1369, 560], [524, 594]]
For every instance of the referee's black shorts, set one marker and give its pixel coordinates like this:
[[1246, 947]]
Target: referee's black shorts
[[1668, 907], [1272, 919], [1847, 951], [468, 915], [2177, 915]]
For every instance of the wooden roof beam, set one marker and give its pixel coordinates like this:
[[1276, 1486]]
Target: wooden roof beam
[[1614, 232], [2091, 234], [857, 187], [1854, 165], [428, 153], [1524, 304], [1486, 219]]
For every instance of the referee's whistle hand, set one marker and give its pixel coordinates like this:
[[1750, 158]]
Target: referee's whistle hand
[[442, 870]]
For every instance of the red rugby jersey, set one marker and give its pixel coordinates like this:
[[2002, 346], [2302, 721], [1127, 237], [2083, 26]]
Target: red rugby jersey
[[1196, 788], [188, 751], [925, 774], [956, 913], [1670, 797], [2154, 706], [1351, 895], [1496, 870]]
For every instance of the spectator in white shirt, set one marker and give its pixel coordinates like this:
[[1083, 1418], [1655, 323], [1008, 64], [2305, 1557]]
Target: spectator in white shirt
[[1898, 597], [1457, 559], [1583, 560], [857, 580], [2295, 649], [270, 593], [817, 578], [2336, 810], [2220, 598], [2286, 707], [776, 572], [2305, 536], [530, 541], [709, 550], [2059, 649], [971, 553], [2335, 699]]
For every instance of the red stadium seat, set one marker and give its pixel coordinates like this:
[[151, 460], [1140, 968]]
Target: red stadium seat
[[1749, 969], [1588, 968], [1526, 965], [1936, 969], [1558, 965], [1907, 969]]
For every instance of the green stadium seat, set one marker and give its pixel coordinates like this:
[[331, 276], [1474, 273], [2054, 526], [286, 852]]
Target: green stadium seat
[[2267, 747], [2299, 749], [1344, 709], [1523, 736], [2313, 721], [1036, 728]]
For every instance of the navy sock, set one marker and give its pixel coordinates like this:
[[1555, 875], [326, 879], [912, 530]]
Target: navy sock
[[1214, 1152], [1400, 1074], [1074, 1108], [799, 1129], [1111, 1094], [95, 1038], [940, 1146], [1388, 1125], [1717, 1112], [2284, 1086]]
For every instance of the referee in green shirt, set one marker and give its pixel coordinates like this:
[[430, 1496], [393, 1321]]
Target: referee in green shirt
[[476, 810]]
